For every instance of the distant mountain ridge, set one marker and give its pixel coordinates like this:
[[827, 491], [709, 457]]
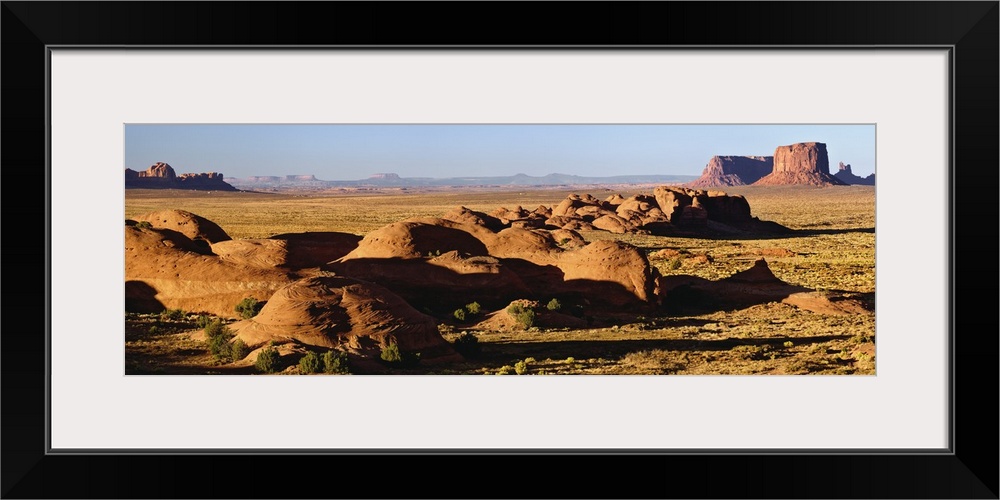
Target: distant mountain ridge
[[394, 180]]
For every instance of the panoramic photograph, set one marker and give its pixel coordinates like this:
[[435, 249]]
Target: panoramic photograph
[[499, 249]]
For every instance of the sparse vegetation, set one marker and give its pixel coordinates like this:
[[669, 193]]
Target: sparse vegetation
[[172, 315], [219, 337], [521, 367], [392, 355], [335, 362], [467, 344], [473, 308], [674, 264], [238, 350], [309, 363], [553, 305], [525, 316], [248, 307], [459, 314], [144, 224], [506, 370], [267, 360]]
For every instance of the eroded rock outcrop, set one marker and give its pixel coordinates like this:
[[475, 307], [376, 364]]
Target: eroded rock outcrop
[[804, 163], [164, 268], [733, 171], [162, 176], [844, 174], [348, 315]]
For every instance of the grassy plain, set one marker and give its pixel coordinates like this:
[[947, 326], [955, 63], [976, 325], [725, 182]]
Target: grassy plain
[[833, 248]]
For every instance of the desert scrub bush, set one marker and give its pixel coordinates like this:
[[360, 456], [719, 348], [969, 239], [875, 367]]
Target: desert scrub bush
[[553, 305], [153, 330], [788, 343], [144, 224], [675, 263], [172, 314], [525, 316], [753, 352], [335, 362], [248, 307], [219, 336], [473, 308], [393, 355], [459, 314], [238, 350], [267, 360], [309, 363], [520, 367], [506, 370], [214, 328], [203, 321], [467, 344]]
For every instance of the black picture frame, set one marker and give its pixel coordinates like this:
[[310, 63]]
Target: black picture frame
[[970, 470]]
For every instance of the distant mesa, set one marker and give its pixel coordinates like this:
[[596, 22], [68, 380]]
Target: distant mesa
[[385, 177], [301, 178], [162, 176], [803, 163], [733, 171], [845, 174]]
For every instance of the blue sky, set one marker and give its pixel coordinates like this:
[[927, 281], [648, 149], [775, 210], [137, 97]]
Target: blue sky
[[349, 152]]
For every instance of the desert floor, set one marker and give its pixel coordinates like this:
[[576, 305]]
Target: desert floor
[[833, 249]]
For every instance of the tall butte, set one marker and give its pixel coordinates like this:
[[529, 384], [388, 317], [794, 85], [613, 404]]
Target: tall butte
[[803, 163]]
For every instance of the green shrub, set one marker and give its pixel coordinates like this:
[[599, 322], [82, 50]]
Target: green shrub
[[238, 350], [554, 305], [460, 314], [392, 355], [172, 314], [309, 363], [153, 330], [473, 308], [525, 316], [267, 360], [788, 343], [248, 307], [521, 367], [215, 328], [749, 352], [144, 224], [506, 370], [219, 336], [674, 263], [335, 362], [203, 321], [220, 347], [467, 344]]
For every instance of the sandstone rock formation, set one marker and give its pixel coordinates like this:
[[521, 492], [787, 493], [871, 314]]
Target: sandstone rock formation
[[345, 314], [193, 226], [471, 262], [292, 251], [166, 269], [668, 211], [804, 163], [733, 171], [844, 174], [162, 176]]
